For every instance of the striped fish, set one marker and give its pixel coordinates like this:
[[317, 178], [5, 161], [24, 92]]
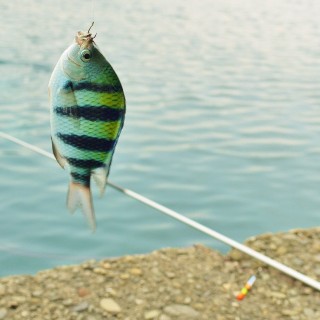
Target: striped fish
[[87, 110]]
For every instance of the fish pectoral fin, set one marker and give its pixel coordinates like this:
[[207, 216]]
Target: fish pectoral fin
[[66, 88], [100, 177], [60, 159], [79, 196], [71, 108]]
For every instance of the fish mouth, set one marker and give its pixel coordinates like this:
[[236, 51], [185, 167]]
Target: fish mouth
[[84, 39]]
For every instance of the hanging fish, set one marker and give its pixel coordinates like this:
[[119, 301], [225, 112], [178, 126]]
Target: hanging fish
[[87, 110]]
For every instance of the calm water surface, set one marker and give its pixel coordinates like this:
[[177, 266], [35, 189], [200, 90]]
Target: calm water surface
[[223, 124]]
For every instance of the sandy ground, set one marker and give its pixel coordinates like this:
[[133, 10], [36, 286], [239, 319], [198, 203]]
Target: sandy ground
[[187, 283]]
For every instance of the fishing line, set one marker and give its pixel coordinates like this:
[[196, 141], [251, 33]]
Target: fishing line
[[92, 9], [173, 214]]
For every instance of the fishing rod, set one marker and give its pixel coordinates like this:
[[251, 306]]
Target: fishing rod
[[175, 215]]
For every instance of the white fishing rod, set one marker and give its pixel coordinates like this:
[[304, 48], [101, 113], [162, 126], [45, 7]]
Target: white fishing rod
[[241, 247]]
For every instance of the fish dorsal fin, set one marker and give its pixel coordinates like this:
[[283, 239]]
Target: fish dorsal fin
[[62, 161]]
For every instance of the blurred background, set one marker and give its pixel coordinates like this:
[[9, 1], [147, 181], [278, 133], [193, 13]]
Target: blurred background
[[223, 124]]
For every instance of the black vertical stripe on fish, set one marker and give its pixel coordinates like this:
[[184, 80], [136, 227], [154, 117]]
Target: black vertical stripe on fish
[[97, 87], [87, 143], [93, 113], [67, 86], [85, 164], [83, 179]]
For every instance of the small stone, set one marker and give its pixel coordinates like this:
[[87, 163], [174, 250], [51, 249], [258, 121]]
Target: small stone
[[100, 279], [306, 291], [317, 257], [187, 300], [176, 284], [277, 295], [111, 291], [2, 289], [152, 314], [128, 258], [99, 271], [3, 313], [139, 301], [236, 255], [198, 306], [226, 286], [308, 312], [124, 276], [106, 265], [290, 312], [25, 314], [82, 292], [281, 251], [265, 276], [181, 310], [82, 306], [110, 305], [170, 275], [164, 317], [67, 302], [37, 293], [136, 271]]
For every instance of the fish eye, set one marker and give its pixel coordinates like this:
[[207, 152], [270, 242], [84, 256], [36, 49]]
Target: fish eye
[[85, 55]]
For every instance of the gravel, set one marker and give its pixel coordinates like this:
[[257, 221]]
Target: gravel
[[184, 283]]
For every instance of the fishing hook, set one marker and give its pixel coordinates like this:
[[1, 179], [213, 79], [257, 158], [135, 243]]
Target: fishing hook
[[90, 27]]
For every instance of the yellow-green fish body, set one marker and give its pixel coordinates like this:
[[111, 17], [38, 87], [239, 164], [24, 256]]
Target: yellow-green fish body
[[87, 110]]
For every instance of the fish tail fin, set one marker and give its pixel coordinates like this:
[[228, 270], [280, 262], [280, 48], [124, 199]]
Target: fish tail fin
[[80, 196], [100, 176]]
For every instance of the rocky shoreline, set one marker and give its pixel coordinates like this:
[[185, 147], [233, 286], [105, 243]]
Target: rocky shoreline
[[188, 283]]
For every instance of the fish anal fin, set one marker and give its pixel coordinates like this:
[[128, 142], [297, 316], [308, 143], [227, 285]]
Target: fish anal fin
[[62, 161], [100, 177], [79, 196]]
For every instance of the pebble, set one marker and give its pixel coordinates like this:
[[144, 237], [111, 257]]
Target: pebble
[[82, 306], [3, 313], [181, 310], [2, 290], [281, 250], [164, 317], [110, 305], [277, 295], [136, 271], [100, 271], [111, 291], [187, 300], [152, 314], [139, 301], [67, 302], [82, 292], [25, 314], [308, 312], [106, 265], [290, 312], [37, 293], [170, 275], [236, 255]]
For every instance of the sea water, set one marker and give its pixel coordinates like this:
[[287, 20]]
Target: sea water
[[223, 125]]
